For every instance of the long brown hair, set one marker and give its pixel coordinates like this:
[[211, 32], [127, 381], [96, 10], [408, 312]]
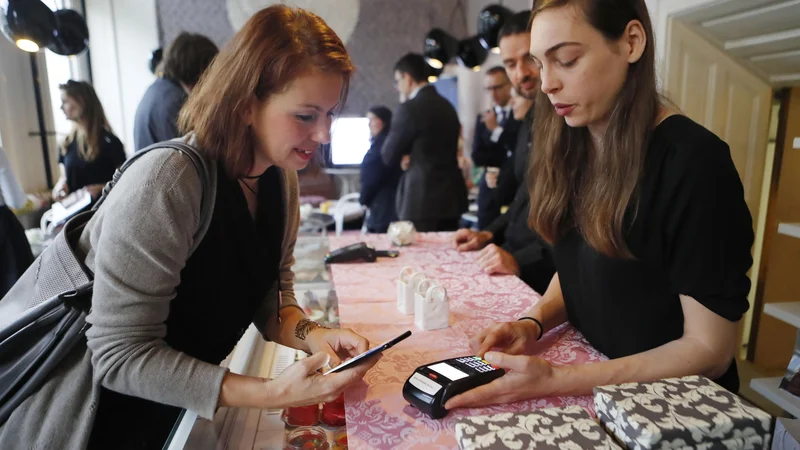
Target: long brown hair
[[275, 45], [87, 131], [572, 185]]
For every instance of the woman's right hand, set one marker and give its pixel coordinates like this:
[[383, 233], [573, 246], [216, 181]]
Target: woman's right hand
[[60, 191], [512, 338], [301, 384], [467, 240]]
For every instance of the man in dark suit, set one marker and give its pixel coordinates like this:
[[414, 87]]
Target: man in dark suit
[[494, 142], [508, 245], [156, 118], [432, 192]]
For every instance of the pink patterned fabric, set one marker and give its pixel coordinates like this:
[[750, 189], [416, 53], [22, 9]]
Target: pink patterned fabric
[[377, 415]]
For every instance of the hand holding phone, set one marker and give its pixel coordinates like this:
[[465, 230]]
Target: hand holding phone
[[373, 351]]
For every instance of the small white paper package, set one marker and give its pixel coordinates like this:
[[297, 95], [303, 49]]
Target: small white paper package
[[402, 233], [431, 309], [406, 286]]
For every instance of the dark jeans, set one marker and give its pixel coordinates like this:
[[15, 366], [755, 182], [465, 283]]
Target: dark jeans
[[437, 224]]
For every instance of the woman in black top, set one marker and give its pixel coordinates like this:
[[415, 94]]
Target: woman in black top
[[644, 209], [379, 182], [91, 153]]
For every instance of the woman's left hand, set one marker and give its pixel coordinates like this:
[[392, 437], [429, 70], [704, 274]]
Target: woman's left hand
[[526, 377], [340, 344]]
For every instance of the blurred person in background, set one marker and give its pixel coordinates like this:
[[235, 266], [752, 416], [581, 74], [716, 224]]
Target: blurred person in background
[[504, 188], [432, 193], [378, 181], [156, 119], [495, 138], [91, 152]]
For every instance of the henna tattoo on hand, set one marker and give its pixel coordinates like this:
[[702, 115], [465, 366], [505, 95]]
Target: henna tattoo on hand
[[304, 327]]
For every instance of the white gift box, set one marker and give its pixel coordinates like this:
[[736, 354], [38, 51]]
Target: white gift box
[[431, 310], [406, 286]]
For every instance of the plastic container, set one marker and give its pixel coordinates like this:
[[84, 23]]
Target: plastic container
[[301, 416], [340, 440], [307, 438], [333, 414]]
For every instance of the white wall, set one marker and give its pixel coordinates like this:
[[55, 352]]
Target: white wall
[[661, 12], [18, 117], [123, 33]]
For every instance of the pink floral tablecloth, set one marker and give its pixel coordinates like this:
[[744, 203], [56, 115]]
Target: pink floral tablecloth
[[377, 415]]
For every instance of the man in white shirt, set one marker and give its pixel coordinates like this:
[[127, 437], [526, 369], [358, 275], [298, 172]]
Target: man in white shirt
[[495, 138]]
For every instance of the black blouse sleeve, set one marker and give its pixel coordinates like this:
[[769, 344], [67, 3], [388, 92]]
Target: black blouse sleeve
[[709, 230]]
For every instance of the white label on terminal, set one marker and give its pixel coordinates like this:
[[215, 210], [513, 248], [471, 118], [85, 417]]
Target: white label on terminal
[[424, 384], [449, 371], [796, 143]]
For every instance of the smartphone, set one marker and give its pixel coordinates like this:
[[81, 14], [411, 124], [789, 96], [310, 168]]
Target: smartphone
[[373, 351]]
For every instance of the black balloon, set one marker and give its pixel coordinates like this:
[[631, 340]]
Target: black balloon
[[28, 20], [471, 53], [72, 34], [490, 21], [439, 48]]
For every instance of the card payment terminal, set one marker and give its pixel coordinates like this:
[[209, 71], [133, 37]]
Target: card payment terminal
[[431, 385], [358, 252]]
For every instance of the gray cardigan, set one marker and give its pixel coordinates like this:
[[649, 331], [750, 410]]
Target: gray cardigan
[[136, 245]]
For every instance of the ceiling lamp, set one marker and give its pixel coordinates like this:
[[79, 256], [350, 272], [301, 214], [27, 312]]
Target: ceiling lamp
[[490, 20], [433, 74], [471, 53], [439, 48], [29, 24], [72, 34]]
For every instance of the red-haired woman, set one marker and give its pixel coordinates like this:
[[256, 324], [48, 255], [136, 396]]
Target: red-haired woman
[[162, 320]]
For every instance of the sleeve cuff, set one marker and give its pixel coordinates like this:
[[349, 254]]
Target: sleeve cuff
[[496, 134], [204, 396]]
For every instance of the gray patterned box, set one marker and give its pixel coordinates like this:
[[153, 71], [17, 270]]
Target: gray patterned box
[[569, 428], [680, 413]]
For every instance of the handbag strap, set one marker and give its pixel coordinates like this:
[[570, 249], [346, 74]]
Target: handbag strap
[[208, 179]]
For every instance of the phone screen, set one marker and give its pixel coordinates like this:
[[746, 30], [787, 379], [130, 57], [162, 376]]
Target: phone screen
[[373, 351]]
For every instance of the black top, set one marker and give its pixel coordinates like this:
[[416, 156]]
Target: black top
[[691, 235], [223, 283], [81, 173], [511, 230], [379, 187], [487, 153], [156, 117]]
